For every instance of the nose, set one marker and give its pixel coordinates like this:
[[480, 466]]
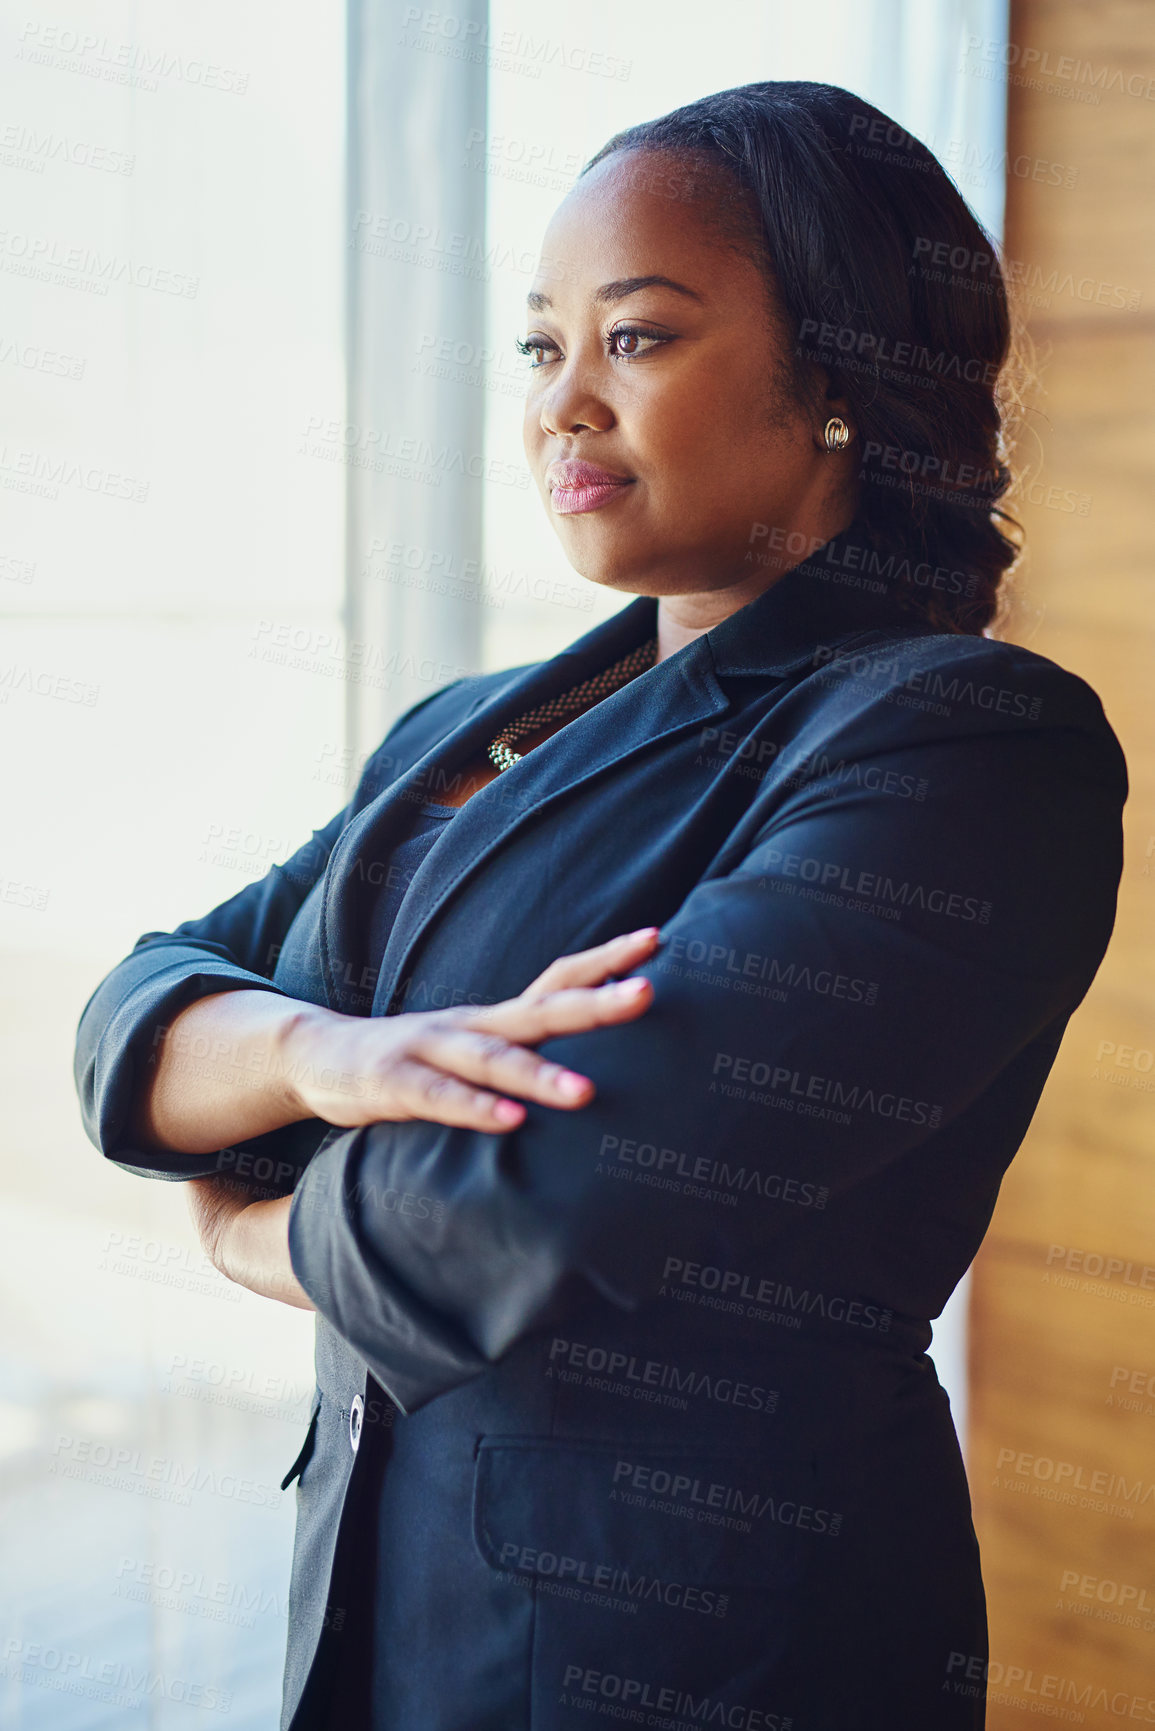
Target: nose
[[572, 403]]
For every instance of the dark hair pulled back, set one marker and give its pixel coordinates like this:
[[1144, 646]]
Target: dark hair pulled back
[[888, 281]]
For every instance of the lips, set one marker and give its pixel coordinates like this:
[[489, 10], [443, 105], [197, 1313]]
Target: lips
[[572, 473], [576, 486]]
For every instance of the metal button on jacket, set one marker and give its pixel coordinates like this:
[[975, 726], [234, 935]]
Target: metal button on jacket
[[356, 1414]]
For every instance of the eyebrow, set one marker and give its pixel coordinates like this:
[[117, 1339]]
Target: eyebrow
[[617, 291]]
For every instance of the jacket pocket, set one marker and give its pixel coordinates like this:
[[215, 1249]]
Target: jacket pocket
[[307, 1446], [634, 1518]]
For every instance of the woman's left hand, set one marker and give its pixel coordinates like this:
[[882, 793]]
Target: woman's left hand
[[247, 1241]]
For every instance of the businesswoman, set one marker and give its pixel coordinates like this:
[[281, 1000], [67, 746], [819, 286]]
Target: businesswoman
[[624, 1284]]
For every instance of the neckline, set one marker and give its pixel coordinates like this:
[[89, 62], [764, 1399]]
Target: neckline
[[435, 808]]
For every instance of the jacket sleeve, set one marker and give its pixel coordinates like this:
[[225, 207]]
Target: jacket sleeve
[[232, 948], [935, 939]]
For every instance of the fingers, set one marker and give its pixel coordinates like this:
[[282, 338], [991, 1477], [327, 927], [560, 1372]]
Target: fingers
[[419, 1090], [459, 1067], [491, 1046], [590, 967], [526, 1021], [501, 1065]]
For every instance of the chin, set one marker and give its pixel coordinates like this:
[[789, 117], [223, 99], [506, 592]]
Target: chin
[[639, 577], [622, 579], [623, 570], [621, 582]]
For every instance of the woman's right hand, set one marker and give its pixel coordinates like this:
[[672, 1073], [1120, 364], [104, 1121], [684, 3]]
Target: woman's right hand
[[459, 1066]]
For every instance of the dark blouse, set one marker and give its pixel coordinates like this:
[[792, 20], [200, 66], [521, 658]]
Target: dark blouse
[[427, 824]]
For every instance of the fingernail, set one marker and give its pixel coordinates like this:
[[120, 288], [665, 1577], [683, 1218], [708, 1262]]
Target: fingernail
[[571, 1084], [632, 988], [508, 1111], [645, 932]]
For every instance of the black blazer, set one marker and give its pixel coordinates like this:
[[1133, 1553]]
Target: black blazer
[[628, 1410]]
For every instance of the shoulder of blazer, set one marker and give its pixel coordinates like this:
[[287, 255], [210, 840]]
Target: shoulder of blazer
[[892, 688], [982, 681]]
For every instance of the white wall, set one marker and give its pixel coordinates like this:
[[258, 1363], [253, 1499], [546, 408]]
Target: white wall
[[171, 261]]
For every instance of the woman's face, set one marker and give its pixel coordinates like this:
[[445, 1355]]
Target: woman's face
[[680, 392]]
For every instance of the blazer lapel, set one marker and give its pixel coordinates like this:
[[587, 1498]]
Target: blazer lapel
[[676, 693], [819, 601]]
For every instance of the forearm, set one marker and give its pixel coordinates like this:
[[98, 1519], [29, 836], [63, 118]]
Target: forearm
[[222, 1072], [247, 1241], [256, 1254]]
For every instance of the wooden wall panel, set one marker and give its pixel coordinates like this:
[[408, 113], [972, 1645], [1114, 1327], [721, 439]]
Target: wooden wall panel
[[1062, 1441]]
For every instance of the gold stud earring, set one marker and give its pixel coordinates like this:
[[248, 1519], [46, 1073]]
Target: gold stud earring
[[836, 434]]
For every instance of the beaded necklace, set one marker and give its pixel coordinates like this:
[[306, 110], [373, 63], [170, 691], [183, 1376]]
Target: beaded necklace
[[569, 702]]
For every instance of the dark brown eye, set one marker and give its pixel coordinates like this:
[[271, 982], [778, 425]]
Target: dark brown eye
[[628, 332], [531, 348]]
